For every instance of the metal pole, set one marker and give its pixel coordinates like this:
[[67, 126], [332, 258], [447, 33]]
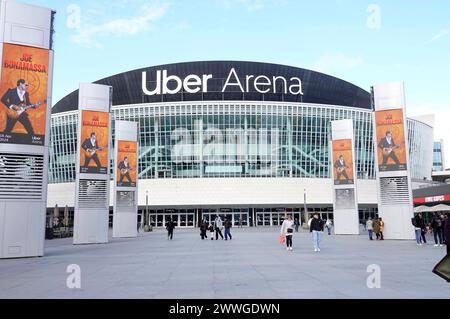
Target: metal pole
[[146, 220], [305, 213]]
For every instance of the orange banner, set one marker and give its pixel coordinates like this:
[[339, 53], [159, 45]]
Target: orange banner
[[23, 91], [343, 162], [126, 164], [391, 148], [94, 157]]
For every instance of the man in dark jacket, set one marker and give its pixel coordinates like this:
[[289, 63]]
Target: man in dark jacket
[[170, 225], [203, 229], [315, 228], [227, 224], [436, 225]]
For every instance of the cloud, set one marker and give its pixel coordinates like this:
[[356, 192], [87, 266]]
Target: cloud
[[443, 33], [251, 5], [88, 35], [336, 62]]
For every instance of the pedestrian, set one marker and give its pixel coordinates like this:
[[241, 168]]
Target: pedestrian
[[328, 226], [218, 226], [170, 225], [381, 228], [240, 222], [203, 229], [369, 227], [315, 228], [296, 224], [228, 224], [287, 230], [211, 230], [376, 228], [447, 234], [444, 222], [436, 225], [418, 224]]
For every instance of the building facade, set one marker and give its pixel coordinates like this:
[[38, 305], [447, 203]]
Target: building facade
[[249, 141]]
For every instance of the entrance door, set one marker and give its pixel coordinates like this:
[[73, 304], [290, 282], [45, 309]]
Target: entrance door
[[183, 220], [190, 220]]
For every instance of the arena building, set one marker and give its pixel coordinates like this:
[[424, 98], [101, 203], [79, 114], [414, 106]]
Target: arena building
[[245, 140]]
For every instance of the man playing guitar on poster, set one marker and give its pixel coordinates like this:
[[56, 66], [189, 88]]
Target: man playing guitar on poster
[[124, 169], [388, 146], [341, 168], [17, 101], [90, 146]]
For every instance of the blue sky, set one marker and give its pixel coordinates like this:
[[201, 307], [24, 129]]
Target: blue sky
[[363, 42]]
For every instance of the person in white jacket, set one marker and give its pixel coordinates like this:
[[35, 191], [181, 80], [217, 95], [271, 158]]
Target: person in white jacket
[[287, 230]]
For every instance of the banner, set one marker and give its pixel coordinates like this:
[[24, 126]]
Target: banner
[[94, 157], [126, 167], [343, 162], [391, 148], [23, 91]]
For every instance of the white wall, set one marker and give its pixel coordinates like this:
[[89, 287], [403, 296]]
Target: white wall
[[228, 191]]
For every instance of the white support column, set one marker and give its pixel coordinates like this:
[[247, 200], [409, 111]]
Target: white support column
[[346, 217], [93, 181], [26, 54], [125, 179], [395, 202]]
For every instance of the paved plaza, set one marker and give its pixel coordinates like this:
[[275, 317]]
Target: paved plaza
[[252, 265]]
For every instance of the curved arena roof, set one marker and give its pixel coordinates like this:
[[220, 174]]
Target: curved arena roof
[[229, 80]]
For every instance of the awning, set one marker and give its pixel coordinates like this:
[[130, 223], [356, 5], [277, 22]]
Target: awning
[[441, 208]]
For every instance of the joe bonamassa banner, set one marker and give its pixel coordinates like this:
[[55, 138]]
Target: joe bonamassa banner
[[391, 148], [126, 159], [343, 162], [94, 157], [23, 92]]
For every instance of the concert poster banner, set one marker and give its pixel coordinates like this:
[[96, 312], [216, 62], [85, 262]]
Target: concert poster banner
[[343, 162], [126, 175], [94, 158], [391, 142], [23, 93]]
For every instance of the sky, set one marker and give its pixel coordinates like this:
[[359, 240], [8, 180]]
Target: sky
[[363, 42]]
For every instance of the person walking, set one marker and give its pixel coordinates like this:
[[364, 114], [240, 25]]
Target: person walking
[[218, 225], [376, 228], [369, 227], [328, 226], [211, 230], [436, 225], [170, 226], [315, 228], [381, 228], [227, 223], [203, 229], [287, 230], [296, 224]]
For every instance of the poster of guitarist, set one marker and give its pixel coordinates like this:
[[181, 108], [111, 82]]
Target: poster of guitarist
[[341, 168], [94, 142], [23, 95], [343, 162], [391, 149], [127, 159], [388, 147], [91, 148]]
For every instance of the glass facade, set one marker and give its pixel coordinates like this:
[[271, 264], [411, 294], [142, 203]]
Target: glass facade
[[438, 158], [220, 140]]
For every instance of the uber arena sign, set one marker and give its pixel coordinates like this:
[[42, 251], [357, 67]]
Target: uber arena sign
[[194, 84]]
